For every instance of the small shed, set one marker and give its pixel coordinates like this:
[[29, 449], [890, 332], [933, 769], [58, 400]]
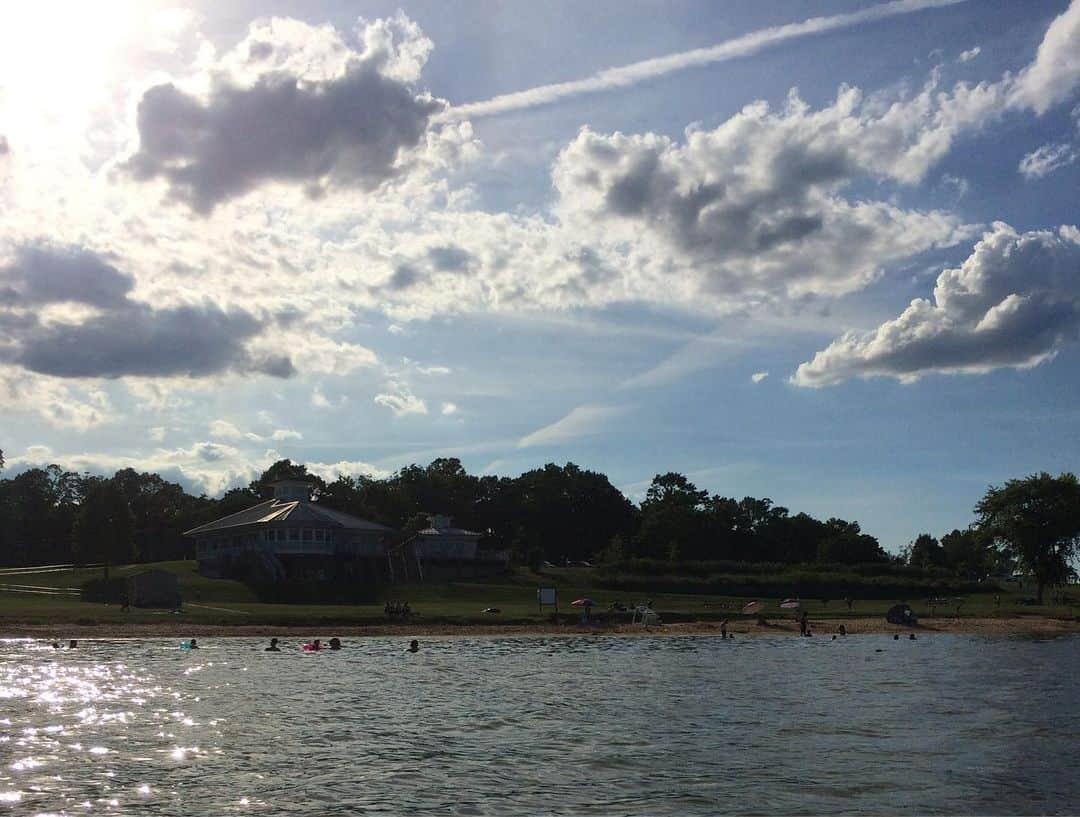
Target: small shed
[[153, 588]]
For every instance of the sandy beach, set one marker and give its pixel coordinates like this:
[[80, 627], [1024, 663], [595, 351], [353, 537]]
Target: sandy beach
[[1033, 625]]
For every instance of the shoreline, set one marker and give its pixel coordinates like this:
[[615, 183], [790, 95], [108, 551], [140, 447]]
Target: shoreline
[[823, 628]]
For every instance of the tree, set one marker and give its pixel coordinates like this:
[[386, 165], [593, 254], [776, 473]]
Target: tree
[[926, 552], [1036, 520], [968, 552], [104, 528]]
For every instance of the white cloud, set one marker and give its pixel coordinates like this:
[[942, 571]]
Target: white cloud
[[286, 434], [1053, 76], [745, 45], [1046, 159], [580, 422], [74, 406], [223, 429], [970, 54], [1014, 302], [157, 433], [449, 408], [331, 471], [757, 377], [401, 400]]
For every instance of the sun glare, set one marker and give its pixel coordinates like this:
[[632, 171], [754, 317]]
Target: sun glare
[[56, 57]]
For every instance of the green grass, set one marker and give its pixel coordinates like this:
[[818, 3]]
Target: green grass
[[222, 601]]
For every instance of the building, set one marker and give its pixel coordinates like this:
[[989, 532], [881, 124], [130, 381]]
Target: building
[[442, 551], [291, 537]]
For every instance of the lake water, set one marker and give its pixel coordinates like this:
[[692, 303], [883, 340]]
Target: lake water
[[508, 726]]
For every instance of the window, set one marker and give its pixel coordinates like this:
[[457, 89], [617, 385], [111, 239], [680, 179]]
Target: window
[[307, 535], [318, 536], [293, 534]]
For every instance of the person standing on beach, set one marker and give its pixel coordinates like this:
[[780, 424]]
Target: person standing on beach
[[723, 628], [803, 617]]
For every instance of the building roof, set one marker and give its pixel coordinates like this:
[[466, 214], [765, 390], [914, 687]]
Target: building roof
[[447, 532], [276, 510]]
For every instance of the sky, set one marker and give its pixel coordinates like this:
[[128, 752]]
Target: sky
[[822, 252]]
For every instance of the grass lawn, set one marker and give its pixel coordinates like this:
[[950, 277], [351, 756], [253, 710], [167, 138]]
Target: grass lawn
[[223, 601]]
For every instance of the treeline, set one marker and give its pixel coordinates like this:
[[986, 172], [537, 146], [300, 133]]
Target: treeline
[[555, 514]]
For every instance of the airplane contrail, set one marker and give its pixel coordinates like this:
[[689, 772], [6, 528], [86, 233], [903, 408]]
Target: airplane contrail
[[627, 75]]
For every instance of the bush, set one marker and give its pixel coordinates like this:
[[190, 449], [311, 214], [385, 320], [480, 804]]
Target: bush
[[104, 591]]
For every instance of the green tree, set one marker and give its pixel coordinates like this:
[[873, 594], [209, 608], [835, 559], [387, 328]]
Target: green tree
[[104, 528], [1036, 520], [968, 552], [926, 552]]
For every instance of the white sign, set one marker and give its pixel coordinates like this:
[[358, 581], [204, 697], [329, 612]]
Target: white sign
[[545, 595]]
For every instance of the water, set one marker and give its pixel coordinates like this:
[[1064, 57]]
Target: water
[[507, 726]]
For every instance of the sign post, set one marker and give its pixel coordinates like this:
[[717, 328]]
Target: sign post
[[547, 595]]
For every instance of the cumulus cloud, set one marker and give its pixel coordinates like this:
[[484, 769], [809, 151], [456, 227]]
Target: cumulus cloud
[[757, 377], [295, 104], [753, 206], [1053, 76], [970, 54], [449, 408], [1046, 159], [400, 400], [68, 406], [580, 422], [118, 336], [1012, 303]]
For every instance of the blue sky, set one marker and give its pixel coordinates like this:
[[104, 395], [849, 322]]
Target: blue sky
[[833, 260]]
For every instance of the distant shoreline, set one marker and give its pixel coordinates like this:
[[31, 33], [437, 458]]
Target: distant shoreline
[[821, 628]]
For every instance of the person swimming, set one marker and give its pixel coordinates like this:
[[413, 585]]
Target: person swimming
[[193, 644], [335, 643], [72, 644], [414, 646], [273, 646], [896, 637], [841, 630], [911, 637], [56, 645]]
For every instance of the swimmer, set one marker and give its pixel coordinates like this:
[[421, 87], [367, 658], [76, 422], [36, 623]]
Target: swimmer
[[414, 646], [72, 644], [335, 643], [193, 645], [896, 637], [273, 646], [841, 630], [315, 645], [56, 645], [911, 637]]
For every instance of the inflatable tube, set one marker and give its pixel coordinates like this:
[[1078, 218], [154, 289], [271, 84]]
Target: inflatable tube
[[310, 648], [185, 645]]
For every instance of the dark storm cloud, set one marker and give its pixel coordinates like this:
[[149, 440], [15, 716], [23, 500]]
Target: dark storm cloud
[[46, 274], [348, 131], [124, 337]]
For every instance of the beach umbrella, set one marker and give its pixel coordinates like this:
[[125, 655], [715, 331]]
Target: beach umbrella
[[583, 603], [752, 607], [790, 604]]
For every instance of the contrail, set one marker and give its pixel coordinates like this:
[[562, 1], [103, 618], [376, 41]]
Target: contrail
[[627, 75]]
